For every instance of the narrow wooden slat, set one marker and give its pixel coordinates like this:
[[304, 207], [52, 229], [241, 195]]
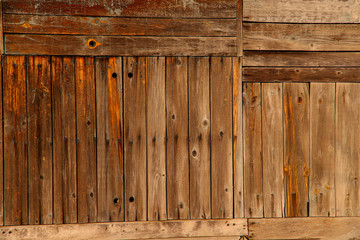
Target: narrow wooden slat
[[15, 142], [221, 77], [308, 59], [64, 140], [322, 149], [301, 37], [239, 26], [135, 138], [1, 147], [1, 29], [253, 189], [302, 11], [272, 149], [109, 121], [115, 45], [257, 74], [296, 144], [177, 148], [199, 138], [156, 137], [347, 164], [86, 139], [238, 139], [137, 8], [40, 140], [113, 26]]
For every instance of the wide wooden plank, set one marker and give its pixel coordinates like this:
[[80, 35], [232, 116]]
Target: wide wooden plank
[[177, 147], [294, 228], [305, 59], [322, 149], [136, 8], [156, 137], [116, 45], [296, 145], [199, 137], [64, 140], [109, 120], [299, 74], [131, 230], [272, 149], [253, 172], [301, 37], [1, 150], [15, 142], [40, 140], [114, 26], [86, 139], [135, 174], [221, 77], [347, 164]]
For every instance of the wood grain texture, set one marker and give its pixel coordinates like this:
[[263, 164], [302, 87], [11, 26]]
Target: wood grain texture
[[135, 138], [40, 158], [347, 164], [296, 144], [86, 139], [322, 149], [272, 149], [15, 142], [136, 8], [301, 37], [114, 26], [239, 27], [253, 162], [1, 148], [64, 139], [221, 77], [299, 74], [302, 11], [156, 137], [177, 147], [1, 29], [109, 119], [116, 45], [199, 137]]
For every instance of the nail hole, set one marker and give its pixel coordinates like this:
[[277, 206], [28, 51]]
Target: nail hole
[[194, 153], [91, 194], [205, 123], [131, 199], [130, 75], [173, 117], [88, 122], [114, 75], [221, 133], [116, 200], [92, 43], [299, 100], [41, 177]]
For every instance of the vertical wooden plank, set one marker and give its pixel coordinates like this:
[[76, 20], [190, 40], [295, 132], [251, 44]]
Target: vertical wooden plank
[[296, 143], [135, 138], [239, 23], [273, 150], [40, 140], [221, 137], [86, 139], [177, 148], [238, 139], [15, 142], [64, 134], [347, 162], [156, 134], [1, 30], [199, 138], [109, 135], [1, 146], [322, 149], [253, 178]]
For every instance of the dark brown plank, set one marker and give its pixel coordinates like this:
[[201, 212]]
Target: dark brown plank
[[297, 152], [1, 149], [86, 139], [109, 120], [1, 29], [199, 138], [257, 74], [113, 26], [177, 147], [136, 8], [135, 138], [64, 140], [301, 37], [40, 140], [15, 142], [124, 46]]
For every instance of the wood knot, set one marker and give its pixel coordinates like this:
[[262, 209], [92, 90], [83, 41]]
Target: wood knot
[[92, 43]]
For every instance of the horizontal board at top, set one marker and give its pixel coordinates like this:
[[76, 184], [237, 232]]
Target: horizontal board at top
[[134, 8]]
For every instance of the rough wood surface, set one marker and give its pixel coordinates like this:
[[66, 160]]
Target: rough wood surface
[[239, 27], [1, 150], [40, 140], [1, 29], [322, 149]]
